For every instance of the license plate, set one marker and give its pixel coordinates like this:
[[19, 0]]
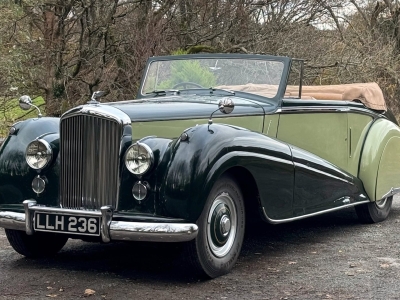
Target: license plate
[[67, 224]]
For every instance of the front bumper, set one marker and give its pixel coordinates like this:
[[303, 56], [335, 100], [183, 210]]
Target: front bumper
[[109, 230]]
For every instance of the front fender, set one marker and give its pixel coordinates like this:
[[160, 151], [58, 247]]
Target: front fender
[[15, 174], [192, 166]]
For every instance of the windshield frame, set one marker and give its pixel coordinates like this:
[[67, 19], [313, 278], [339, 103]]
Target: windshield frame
[[286, 61]]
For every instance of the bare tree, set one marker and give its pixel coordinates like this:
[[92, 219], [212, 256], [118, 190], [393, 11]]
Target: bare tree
[[65, 50]]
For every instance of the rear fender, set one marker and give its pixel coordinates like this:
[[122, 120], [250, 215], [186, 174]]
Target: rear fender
[[380, 160]]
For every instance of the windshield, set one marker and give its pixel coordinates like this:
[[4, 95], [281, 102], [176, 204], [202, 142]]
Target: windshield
[[260, 77]]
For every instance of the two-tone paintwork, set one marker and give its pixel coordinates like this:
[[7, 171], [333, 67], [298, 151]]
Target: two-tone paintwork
[[362, 142], [299, 157], [379, 171]]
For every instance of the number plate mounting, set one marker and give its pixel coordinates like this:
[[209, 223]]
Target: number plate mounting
[[65, 223]]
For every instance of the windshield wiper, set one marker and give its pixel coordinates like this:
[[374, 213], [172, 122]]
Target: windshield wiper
[[163, 92], [213, 90]]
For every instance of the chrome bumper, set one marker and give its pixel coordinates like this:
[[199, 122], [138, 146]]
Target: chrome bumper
[[109, 230]]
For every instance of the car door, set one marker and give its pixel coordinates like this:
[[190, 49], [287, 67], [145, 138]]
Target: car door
[[323, 131], [332, 131]]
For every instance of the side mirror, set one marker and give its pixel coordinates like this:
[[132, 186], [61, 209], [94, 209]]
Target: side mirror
[[25, 102], [226, 105]]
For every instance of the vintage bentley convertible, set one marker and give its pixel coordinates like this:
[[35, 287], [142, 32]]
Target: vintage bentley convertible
[[211, 142]]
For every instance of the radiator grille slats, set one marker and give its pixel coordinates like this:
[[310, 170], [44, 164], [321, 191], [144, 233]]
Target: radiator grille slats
[[89, 162]]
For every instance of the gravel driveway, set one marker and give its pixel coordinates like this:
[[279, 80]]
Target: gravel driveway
[[327, 257]]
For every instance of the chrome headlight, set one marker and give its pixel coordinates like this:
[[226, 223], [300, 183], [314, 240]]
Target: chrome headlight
[[38, 154], [139, 158]]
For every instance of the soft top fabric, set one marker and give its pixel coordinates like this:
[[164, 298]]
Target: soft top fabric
[[370, 94]]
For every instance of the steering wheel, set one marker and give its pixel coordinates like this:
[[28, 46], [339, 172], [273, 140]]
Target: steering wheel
[[186, 84]]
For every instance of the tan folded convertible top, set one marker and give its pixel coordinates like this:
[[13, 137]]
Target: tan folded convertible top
[[370, 94]]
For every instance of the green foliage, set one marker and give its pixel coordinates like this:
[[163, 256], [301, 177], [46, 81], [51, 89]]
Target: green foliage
[[179, 52], [188, 71], [10, 112]]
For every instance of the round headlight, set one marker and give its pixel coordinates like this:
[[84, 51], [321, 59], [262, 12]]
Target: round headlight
[[138, 158], [38, 154]]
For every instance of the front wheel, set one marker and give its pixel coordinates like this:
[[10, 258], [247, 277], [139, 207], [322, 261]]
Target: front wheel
[[38, 245], [374, 212], [221, 230]]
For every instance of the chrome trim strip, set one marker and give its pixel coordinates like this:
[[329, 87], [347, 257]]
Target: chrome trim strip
[[327, 109], [300, 108], [275, 221], [101, 111], [321, 172], [265, 156], [393, 191], [297, 109], [152, 232]]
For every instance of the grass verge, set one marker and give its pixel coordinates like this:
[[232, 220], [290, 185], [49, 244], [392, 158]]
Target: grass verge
[[10, 112]]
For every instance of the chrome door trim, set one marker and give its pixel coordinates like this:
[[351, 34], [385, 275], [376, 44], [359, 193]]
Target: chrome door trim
[[322, 172], [328, 109]]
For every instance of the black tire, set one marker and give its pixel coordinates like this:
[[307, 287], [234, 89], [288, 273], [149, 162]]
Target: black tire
[[374, 212], [37, 245], [221, 230]]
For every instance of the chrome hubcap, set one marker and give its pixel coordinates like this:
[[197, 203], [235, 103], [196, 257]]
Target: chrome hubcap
[[225, 225], [221, 225]]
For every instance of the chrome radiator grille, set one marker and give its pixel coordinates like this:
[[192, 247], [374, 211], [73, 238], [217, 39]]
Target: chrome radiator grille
[[89, 166]]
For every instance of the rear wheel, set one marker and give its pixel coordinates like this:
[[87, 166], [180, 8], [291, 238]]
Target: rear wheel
[[37, 245], [374, 212], [221, 230]]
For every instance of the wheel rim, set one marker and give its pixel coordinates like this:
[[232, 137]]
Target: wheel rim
[[381, 203], [221, 225]]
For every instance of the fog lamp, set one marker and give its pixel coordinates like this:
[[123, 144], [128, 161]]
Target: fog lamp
[[38, 184], [139, 191]]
